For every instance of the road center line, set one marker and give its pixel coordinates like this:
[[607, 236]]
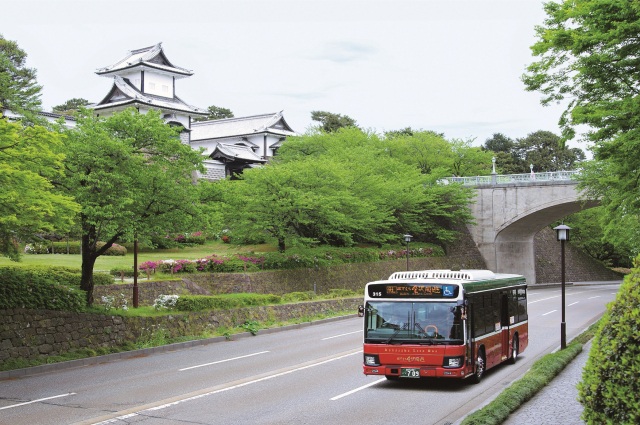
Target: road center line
[[338, 336], [552, 311], [371, 384], [222, 361], [36, 401], [573, 303]]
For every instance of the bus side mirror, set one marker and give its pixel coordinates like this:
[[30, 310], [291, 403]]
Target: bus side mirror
[[360, 311]]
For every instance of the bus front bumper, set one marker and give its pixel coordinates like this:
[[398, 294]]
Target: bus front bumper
[[414, 371]]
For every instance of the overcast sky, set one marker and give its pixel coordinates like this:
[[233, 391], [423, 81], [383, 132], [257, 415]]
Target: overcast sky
[[450, 66]]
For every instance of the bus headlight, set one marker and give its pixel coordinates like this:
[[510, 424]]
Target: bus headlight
[[371, 360], [453, 362]]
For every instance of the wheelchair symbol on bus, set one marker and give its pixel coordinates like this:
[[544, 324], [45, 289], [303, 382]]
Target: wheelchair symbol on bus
[[447, 291]]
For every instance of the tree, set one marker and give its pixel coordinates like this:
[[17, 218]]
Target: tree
[[609, 387], [432, 154], [216, 113], [545, 152], [340, 189], [587, 54], [132, 178], [19, 90], [332, 122], [28, 205], [71, 106], [499, 143]]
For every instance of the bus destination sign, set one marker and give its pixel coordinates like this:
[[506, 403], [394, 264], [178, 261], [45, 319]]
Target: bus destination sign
[[400, 290]]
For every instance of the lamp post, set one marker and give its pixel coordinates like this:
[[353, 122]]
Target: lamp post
[[407, 239], [562, 232]]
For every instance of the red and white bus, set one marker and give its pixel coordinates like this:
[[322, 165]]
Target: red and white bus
[[443, 323]]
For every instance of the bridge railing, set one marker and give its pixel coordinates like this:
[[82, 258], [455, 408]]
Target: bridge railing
[[527, 178]]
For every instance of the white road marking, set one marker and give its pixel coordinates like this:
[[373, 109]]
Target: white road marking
[[222, 361], [371, 384], [206, 393], [591, 298], [573, 303], [36, 401], [552, 311], [338, 336], [542, 299]]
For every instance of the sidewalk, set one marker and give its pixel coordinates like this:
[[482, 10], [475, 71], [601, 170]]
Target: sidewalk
[[558, 402]]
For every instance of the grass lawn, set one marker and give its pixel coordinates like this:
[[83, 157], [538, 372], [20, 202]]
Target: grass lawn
[[106, 263]]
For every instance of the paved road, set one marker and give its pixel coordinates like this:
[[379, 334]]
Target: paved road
[[310, 375]]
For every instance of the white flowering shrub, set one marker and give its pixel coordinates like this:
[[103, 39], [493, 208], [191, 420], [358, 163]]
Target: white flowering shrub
[[167, 302], [110, 302]]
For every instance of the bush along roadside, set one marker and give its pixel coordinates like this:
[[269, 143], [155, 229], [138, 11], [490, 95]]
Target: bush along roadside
[[541, 373]]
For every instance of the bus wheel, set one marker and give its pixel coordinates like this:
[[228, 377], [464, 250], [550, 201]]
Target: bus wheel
[[515, 350], [480, 365]]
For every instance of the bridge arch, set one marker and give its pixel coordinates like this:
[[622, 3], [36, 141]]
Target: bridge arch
[[509, 215]]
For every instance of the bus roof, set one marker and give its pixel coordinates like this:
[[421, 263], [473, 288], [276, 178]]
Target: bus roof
[[460, 275], [471, 280]]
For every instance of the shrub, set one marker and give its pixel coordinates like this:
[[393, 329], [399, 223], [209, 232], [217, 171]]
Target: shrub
[[111, 302], [609, 390], [298, 296], [114, 250], [122, 272], [102, 279], [224, 302], [37, 248], [165, 302], [26, 288], [72, 248], [342, 293]]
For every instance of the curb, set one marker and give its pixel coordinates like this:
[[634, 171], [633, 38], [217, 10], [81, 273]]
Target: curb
[[89, 361]]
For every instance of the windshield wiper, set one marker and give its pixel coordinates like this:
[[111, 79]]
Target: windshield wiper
[[401, 327]]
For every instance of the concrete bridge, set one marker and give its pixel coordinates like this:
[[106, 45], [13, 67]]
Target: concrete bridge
[[510, 209]]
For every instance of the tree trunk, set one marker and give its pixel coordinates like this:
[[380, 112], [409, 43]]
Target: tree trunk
[[88, 261], [281, 245]]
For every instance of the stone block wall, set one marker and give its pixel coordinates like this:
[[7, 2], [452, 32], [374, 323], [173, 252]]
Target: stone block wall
[[579, 267], [33, 334]]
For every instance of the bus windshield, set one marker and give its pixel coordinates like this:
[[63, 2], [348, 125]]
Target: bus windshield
[[413, 322]]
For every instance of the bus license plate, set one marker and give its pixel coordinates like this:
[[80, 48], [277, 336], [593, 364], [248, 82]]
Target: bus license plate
[[410, 372]]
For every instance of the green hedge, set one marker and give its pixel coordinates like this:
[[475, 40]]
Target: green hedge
[[64, 248], [541, 373], [40, 289], [224, 302], [609, 391]]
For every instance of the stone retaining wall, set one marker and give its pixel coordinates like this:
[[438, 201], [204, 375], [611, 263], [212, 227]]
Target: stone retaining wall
[[32, 334]]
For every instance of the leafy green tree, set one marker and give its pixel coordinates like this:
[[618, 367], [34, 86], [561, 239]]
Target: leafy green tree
[[498, 142], [332, 122], [339, 189], [469, 160], [216, 113], [503, 148], [432, 154], [609, 389], [545, 152], [588, 235], [587, 56], [132, 178], [71, 106], [19, 90], [28, 165]]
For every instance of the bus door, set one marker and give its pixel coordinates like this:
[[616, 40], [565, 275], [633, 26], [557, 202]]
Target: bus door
[[505, 324]]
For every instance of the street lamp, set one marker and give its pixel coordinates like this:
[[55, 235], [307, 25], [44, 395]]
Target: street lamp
[[407, 239], [562, 232]]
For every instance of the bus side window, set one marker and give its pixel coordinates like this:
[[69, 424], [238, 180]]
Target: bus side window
[[522, 305]]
